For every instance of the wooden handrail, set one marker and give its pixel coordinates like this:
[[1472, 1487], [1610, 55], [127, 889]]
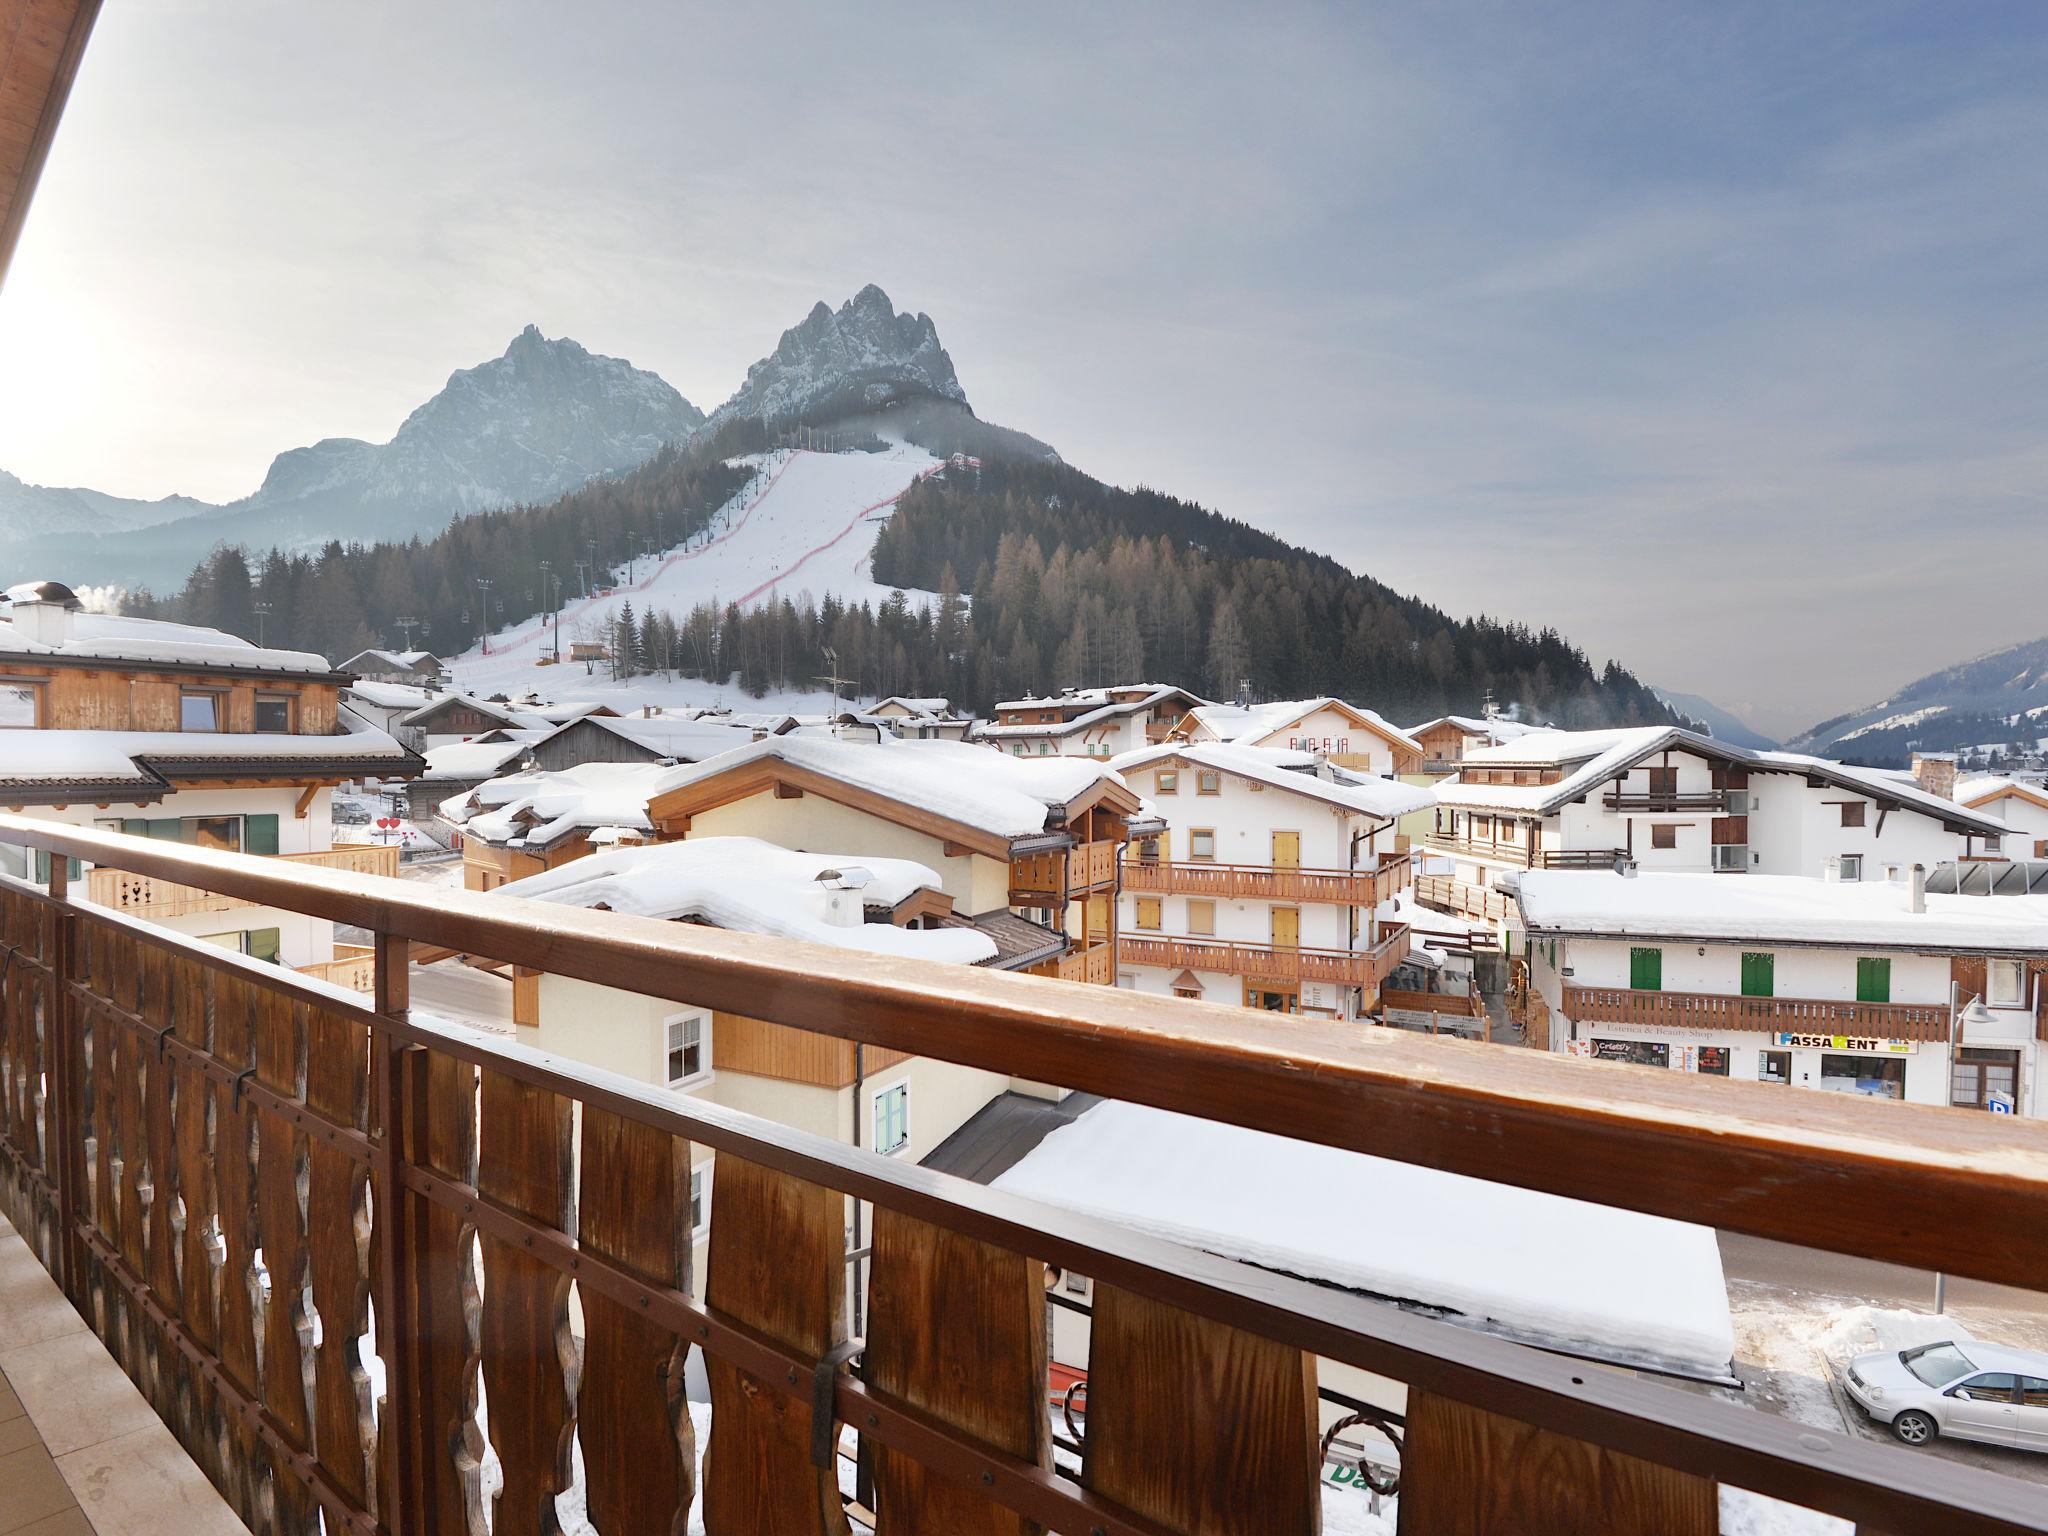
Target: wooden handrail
[[1717, 1010], [1367, 886], [1288, 1075]]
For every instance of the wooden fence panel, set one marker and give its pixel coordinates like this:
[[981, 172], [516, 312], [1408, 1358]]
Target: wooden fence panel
[[199, 1249], [157, 1183], [1466, 1470], [778, 1263], [956, 1328], [529, 1361], [337, 1219], [235, 1183], [1206, 1429], [639, 1449]]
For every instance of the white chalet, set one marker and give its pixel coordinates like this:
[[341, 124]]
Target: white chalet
[[1876, 987], [1667, 799], [1087, 722], [1358, 739], [1272, 883], [2023, 807]]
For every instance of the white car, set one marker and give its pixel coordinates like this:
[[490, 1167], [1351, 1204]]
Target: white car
[[1961, 1387]]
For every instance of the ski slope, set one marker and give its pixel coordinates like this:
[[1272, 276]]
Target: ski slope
[[806, 523]]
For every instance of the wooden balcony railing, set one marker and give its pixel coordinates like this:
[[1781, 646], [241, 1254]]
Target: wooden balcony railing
[[144, 896], [1095, 965], [1449, 894], [168, 1109], [1673, 800], [1052, 877], [1519, 853], [353, 967], [1266, 882], [1794, 1015], [1451, 1005], [1365, 966]]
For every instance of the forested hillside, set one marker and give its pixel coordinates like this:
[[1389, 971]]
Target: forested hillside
[[1045, 578]]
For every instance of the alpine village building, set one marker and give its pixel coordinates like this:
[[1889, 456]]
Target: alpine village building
[[1668, 799], [192, 735], [1270, 883]]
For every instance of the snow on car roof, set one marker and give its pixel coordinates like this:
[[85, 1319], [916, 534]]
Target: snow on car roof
[[974, 786], [751, 886], [1785, 908], [1543, 1269], [1291, 771]]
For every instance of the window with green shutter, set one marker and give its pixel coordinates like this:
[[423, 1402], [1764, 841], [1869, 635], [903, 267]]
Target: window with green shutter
[[73, 869], [1873, 981], [263, 944], [169, 828], [1646, 970], [259, 834], [1759, 974]]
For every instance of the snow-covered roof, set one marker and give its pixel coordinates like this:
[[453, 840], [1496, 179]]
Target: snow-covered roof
[[504, 714], [1250, 724], [751, 886], [466, 761], [1474, 725], [1279, 768], [686, 740], [390, 695], [1558, 1273], [1593, 757], [152, 758], [991, 791], [932, 708], [1094, 706], [115, 637], [1789, 909], [1982, 789], [539, 809]]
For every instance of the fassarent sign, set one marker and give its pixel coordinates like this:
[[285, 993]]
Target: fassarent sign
[[1868, 1044]]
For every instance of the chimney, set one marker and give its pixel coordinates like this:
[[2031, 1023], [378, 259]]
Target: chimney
[[842, 887], [41, 611], [1935, 772], [1916, 890]]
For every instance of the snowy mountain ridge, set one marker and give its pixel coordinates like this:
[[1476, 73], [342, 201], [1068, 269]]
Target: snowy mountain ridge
[[862, 356], [27, 510]]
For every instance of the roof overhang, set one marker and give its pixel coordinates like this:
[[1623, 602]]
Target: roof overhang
[[40, 48]]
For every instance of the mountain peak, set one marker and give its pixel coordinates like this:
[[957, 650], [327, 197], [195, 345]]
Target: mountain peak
[[863, 356]]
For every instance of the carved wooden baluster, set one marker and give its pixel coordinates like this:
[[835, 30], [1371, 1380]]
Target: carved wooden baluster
[[195, 1218], [281, 1215], [337, 1222], [105, 1043], [956, 1328], [441, 1135], [639, 1450], [778, 1262], [528, 1359], [157, 1183], [1206, 1429], [235, 1182], [1464, 1469]]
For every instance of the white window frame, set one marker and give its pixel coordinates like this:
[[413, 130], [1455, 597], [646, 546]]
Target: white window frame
[[900, 1086], [1850, 869], [2012, 971], [700, 1196], [703, 1073]]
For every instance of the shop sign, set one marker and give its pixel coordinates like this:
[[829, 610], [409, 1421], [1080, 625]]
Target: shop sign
[[1868, 1045]]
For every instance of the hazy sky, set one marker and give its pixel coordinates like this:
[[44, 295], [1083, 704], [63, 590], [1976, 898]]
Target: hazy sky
[[1715, 335]]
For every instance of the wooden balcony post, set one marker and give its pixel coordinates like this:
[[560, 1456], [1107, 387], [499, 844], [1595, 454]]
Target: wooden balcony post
[[396, 1101], [64, 1149]]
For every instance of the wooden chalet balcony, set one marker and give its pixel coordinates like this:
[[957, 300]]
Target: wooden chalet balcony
[[1266, 882], [1653, 801], [1096, 965], [1451, 1005], [1519, 853], [1049, 879], [146, 896], [1449, 894], [1794, 1015], [1361, 967], [169, 1109]]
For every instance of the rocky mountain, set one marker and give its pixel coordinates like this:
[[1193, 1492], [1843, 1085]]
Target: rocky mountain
[[27, 510], [863, 357], [544, 418], [1999, 698]]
